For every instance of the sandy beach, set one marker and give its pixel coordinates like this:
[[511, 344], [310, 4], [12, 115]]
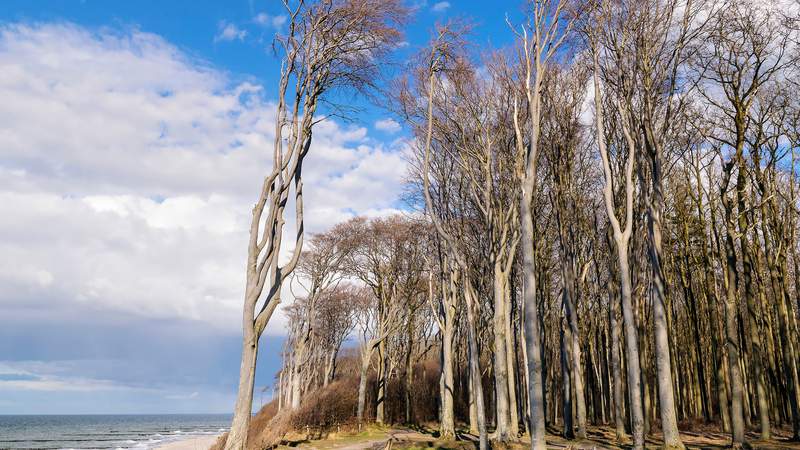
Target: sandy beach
[[195, 443]]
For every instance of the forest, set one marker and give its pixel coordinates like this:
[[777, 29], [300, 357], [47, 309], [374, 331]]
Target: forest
[[600, 230]]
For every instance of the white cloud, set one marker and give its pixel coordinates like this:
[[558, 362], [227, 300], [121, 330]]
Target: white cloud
[[229, 32], [440, 6], [387, 125], [128, 172], [266, 20]]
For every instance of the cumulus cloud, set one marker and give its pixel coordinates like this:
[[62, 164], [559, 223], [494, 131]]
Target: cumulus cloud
[[387, 125], [128, 171], [440, 6], [229, 32]]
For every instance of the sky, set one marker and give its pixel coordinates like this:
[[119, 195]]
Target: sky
[[133, 139]]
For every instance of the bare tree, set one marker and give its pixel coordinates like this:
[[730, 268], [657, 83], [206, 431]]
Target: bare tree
[[625, 277], [336, 318], [621, 237], [744, 49], [319, 270], [444, 54], [329, 44], [549, 23], [386, 256]]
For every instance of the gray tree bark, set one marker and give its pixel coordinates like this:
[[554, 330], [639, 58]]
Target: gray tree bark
[[474, 367], [500, 354], [666, 396], [237, 437], [362, 385], [616, 361], [574, 354], [731, 320], [622, 239], [564, 336], [532, 334]]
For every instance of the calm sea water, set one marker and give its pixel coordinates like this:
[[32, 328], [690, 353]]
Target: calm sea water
[[105, 431]]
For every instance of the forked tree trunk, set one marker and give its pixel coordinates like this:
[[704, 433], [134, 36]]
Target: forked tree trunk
[[621, 240]]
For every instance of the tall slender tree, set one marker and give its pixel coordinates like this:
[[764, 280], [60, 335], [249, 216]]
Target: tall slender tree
[[329, 44]]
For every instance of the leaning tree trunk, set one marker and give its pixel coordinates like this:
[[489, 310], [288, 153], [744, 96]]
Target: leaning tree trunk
[[237, 436]]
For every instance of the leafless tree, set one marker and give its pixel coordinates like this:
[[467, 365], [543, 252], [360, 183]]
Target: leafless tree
[[549, 22], [329, 44], [609, 231]]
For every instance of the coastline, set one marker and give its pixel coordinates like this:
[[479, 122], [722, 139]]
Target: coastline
[[191, 443]]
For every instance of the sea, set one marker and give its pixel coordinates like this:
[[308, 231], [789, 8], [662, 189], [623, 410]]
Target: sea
[[105, 431]]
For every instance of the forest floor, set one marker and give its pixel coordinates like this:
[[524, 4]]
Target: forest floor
[[421, 438]]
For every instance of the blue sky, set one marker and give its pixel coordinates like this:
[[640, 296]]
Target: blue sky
[[132, 139]]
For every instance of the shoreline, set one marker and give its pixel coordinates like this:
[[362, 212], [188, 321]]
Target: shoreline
[[191, 443]]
